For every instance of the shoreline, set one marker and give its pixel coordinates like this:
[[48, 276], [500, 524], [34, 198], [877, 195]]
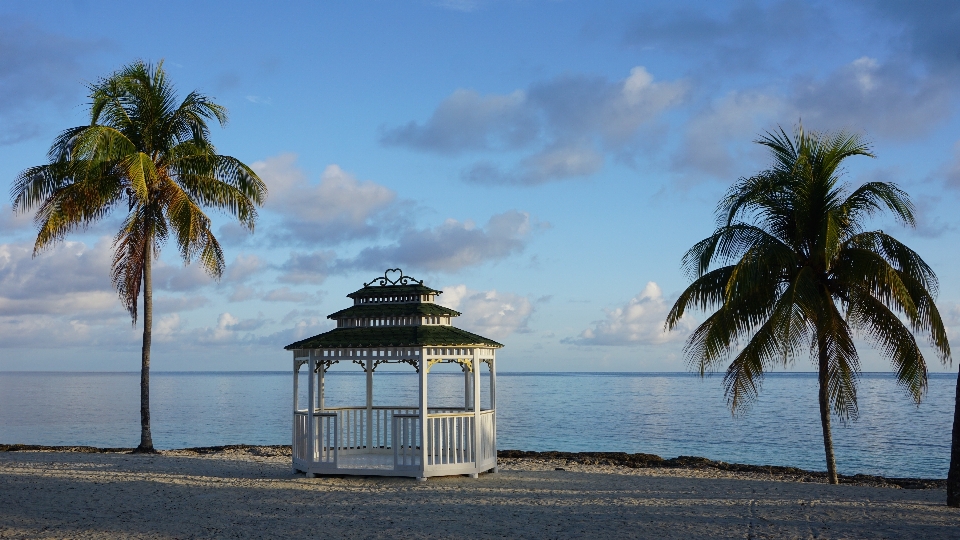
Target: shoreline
[[244, 491], [610, 459]]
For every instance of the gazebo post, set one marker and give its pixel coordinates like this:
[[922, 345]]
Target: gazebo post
[[321, 373], [311, 419], [423, 414], [296, 382], [493, 400], [369, 370], [466, 388], [477, 442], [493, 383], [296, 390]]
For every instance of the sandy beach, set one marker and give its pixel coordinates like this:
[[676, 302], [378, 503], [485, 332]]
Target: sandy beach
[[252, 493]]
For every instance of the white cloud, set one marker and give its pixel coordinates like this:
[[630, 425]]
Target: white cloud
[[343, 208], [450, 246], [61, 298], [570, 122], [67, 278], [306, 326], [170, 304], [491, 313], [313, 267], [579, 106], [299, 314], [887, 99], [339, 208], [167, 328], [552, 163], [467, 121], [10, 221], [864, 95], [286, 294], [243, 268], [714, 139], [229, 329], [639, 322], [180, 277]]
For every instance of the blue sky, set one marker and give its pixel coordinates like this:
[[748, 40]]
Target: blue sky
[[545, 163]]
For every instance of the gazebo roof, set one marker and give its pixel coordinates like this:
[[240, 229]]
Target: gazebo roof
[[380, 321], [393, 283], [394, 310], [392, 290], [393, 336]]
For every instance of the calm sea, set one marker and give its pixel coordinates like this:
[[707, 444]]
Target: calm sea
[[669, 414]]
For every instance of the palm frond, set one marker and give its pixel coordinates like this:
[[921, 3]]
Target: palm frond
[[707, 291], [777, 341], [872, 197], [843, 362], [892, 338]]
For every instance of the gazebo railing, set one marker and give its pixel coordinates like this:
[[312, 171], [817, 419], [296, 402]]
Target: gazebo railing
[[450, 438], [406, 440], [300, 435], [488, 438], [352, 422], [352, 432], [325, 428]]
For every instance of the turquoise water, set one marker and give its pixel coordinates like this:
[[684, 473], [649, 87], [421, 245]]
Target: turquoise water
[[668, 414]]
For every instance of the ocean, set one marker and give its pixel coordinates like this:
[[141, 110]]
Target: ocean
[[668, 414]]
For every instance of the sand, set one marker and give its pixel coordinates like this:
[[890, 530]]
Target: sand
[[252, 493]]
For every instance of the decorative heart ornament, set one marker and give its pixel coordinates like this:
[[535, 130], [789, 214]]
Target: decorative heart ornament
[[393, 271]]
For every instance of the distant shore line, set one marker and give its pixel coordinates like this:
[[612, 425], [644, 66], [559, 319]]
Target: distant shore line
[[623, 459]]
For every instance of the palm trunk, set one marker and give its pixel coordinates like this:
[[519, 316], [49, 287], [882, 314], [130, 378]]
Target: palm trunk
[[146, 438], [825, 413], [953, 477]]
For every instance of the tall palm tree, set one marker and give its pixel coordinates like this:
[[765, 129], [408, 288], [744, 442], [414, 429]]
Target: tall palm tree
[[790, 271], [147, 152]]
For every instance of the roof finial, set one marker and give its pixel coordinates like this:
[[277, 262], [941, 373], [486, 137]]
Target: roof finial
[[399, 280]]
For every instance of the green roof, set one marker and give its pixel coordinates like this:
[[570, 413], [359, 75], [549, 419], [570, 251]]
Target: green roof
[[393, 310], [393, 336], [392, 290]]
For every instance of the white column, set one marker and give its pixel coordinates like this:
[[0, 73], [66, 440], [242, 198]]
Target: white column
[[369, 434], [493, 382], [296, 381], [423, 413], [321, 386], [296, 389], [467, 400], [311, 420], [493, 403], [477, 442]]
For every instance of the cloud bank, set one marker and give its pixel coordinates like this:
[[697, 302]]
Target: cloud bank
[[638, 322], [490, 313], [566, 125]]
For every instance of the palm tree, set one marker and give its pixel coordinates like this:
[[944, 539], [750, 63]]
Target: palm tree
[[146, 150], [791, 271]]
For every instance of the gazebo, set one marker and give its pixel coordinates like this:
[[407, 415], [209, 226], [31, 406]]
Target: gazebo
[[394, 320]]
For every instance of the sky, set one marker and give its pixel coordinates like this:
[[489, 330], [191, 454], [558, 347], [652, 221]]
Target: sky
[[545, 163]]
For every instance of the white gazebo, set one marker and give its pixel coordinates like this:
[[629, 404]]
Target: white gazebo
[[394, 320]]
